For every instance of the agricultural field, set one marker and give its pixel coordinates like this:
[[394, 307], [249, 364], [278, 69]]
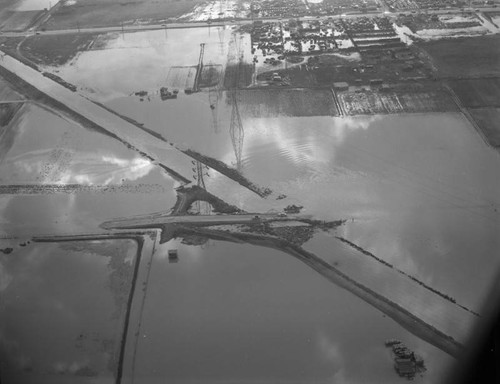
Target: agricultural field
[[488, 120], [286, 102], [476, 93], [372, 102], [477, 56], [99, 13]]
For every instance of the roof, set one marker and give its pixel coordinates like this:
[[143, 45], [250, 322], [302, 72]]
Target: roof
[[405, 365], [341, 84]]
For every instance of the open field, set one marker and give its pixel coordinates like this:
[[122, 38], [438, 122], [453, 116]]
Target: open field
[[287, 102], [488, 120], [372, 102], [98, 13], [56, 50], [476, 93], [477, 56]]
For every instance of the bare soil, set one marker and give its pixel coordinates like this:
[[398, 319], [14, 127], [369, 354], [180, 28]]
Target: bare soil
[[186, 196]]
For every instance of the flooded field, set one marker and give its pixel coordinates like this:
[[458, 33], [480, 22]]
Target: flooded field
[[72, 333], [44, 153], [236, 312], [35, 5], [416, 197], [425, 205]]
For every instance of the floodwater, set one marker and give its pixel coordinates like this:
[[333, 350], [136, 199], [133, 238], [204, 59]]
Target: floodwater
[[40, 148], [35, 5], [149, 56], [419, 191], [239, 313], [62, 310]]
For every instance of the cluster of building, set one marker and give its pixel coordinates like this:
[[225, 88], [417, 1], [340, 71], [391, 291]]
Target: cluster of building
[[406, 362], [434, 4], [344, 6], [420, 21], [295, 8], [372, 35], [278, 8], [299, 38], [385, 58]]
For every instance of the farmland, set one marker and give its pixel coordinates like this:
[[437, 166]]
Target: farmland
[[286, 102], [465, 57], [478, 92], [404, 100]]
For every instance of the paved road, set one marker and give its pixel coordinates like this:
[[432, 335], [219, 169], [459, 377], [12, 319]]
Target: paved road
[[165, 218], [198, 24]]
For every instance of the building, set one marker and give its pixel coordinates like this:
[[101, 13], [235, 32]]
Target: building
[[341, 86], [405, 367]]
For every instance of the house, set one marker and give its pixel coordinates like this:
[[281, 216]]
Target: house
[[173, 257], [341, 86], [405, 367]]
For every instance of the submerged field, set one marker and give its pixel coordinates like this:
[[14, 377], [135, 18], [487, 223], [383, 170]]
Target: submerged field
[[71, 333], [415, 197]]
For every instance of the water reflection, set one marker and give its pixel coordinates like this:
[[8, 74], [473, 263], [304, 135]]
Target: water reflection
[[48, 149], [34, 5], [81, 323], [148, 55], [236, 313]]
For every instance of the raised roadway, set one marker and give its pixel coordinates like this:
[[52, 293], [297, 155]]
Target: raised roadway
[[154, 220]]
